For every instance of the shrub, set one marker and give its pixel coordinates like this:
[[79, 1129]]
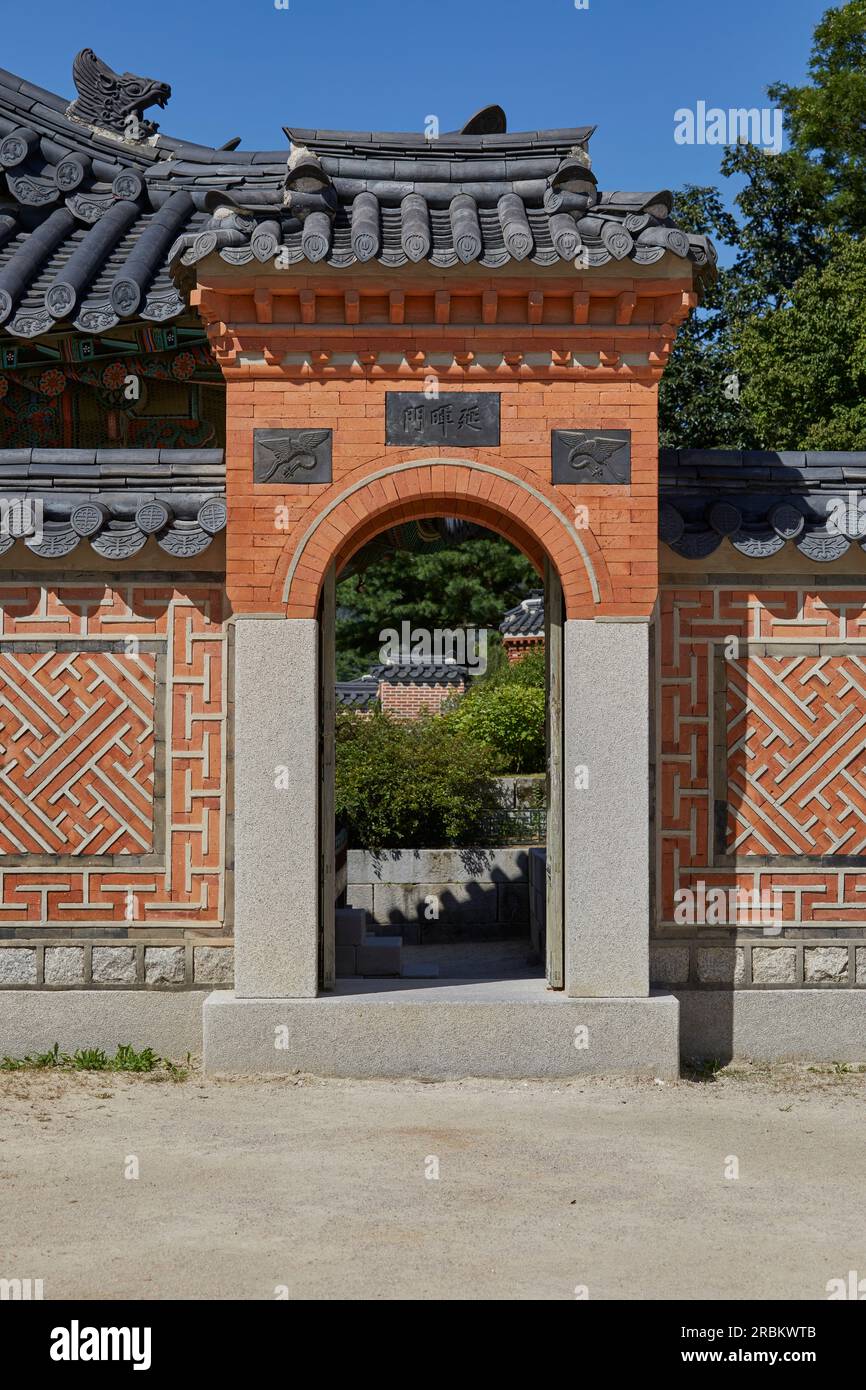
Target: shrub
[[410, 782], [509, 718], [529, 670]]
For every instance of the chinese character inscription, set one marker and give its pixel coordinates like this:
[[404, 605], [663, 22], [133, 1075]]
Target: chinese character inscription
[[455, 418]]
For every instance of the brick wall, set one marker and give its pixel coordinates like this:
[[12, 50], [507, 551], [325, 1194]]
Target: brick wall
[[760, 774], [408, 701], [267, 521], [516, 648], [113, 708]]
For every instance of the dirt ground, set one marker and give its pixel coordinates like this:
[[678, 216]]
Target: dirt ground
[[305, 1188]]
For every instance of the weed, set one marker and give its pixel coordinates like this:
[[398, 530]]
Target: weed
[[94, 1059], [705, 1068]]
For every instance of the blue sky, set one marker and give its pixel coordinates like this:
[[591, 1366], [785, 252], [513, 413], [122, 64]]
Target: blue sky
[[242, 67]]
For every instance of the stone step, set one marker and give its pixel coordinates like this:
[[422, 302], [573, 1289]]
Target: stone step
[[371, 957], [443, 933]]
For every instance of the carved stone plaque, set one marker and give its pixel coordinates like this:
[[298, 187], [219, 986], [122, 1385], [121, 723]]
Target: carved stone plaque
[[460, 419], [591, 456], [292, 456]]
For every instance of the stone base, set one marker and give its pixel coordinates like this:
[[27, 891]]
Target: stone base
[[507, 1028], [773, 1025], [33, 1020]]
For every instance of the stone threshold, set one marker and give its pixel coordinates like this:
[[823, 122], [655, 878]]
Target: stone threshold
[[443, 1029]]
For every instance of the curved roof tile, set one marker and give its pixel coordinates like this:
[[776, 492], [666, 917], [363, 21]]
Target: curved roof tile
[[98, 218], [53, 499], [526, 619], [761, 501]]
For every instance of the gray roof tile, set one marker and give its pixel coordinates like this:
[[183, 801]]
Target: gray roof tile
[[526, 619], [778, 498], [132, 272], [96, 494]]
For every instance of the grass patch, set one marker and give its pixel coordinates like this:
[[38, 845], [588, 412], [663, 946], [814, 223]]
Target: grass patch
[[94, 1059], [703, 1068], [839, 1069]]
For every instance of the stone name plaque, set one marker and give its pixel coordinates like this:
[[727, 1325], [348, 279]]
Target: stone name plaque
[[459, 419]]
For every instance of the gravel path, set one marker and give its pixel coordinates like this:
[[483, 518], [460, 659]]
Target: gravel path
[[321, 1187]]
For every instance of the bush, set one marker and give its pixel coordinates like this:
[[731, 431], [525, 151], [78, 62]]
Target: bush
[[509, 718], [530, 670], [410, 782]]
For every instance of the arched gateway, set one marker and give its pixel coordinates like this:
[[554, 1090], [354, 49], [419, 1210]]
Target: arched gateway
[[389, 327], [462, 327]]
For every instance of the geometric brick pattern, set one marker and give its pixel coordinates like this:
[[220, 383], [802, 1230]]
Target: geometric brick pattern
[[59, 636], [809, 783], [796, 745], [76, 739]]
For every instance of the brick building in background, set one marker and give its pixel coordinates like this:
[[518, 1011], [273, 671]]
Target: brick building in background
[[222, 373], [406, 690]]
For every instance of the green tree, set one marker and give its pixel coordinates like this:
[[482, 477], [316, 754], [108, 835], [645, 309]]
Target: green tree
[[697, 405], [794, 215], [509, 718], [529, 670], [805, 362], [825, 117], [410, 782]]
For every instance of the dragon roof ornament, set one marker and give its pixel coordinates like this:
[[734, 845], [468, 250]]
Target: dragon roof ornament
[[114, 101]]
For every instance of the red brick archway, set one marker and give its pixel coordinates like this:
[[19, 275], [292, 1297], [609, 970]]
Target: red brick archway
[[385, 494]]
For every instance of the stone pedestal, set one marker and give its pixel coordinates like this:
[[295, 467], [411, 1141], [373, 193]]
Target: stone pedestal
[[606, 809], [276, 790]]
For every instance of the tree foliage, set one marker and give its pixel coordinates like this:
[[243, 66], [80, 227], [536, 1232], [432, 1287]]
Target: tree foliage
[[509, 719], [469, 583], [410, 782], [694, 409], [798, 218], [805, 362], [506, 711]]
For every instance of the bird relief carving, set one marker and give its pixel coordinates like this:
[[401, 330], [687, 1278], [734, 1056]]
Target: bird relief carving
[[589, 455], [583, 456], [291, 456]]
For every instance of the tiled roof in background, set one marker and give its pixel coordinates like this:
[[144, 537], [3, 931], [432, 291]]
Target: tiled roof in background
[[527, 618], [360, 694], [420, 673], [102, 212]]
